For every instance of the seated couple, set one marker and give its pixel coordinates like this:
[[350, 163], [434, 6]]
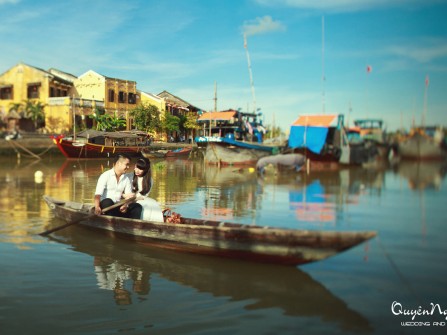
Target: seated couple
[[114, 185]]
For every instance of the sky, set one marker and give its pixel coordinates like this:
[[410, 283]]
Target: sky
[[306, 57]]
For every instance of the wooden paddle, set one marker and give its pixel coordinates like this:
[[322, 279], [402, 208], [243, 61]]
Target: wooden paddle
[[118, 204]]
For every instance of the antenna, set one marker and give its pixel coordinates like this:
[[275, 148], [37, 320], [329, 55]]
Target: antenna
[[250, 73], [323, 78]]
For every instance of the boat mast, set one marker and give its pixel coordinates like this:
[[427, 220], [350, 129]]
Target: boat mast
[[424, 114], [250, 73], [323, 77], [74, 117], [215, 103]]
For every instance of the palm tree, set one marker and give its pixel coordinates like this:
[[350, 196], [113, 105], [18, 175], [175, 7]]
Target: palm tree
[[15, 106], [34, 110]]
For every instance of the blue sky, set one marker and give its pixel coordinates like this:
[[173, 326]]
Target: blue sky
[[185, 47]]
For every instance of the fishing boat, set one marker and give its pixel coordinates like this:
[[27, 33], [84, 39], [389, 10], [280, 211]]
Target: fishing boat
[[323, 138], [154, 153], [100, 144], [180, 152], [237, 153], [424, 143], [214, 238], [232, 138], [373, 131]]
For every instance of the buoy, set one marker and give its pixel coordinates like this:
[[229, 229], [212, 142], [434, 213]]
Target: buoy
[[38, 177]]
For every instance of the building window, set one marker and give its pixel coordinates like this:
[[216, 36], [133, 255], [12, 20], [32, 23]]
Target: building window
[[121, 97], [33, 91], [6, 93], [132, 98], [51, 92], [111, 95]]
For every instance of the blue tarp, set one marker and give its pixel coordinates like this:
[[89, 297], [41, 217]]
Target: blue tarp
[[312, 138]]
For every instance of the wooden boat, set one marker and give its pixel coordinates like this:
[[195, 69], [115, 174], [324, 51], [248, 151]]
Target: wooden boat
[[214, 238], [373, 131], [154, 154], [424, 143], [181, 152], [99, 144]]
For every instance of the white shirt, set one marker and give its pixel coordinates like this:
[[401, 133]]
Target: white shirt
[[108, 187]]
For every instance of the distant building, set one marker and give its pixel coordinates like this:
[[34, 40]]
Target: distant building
[[114, 96], [24, 82], [69, 100]]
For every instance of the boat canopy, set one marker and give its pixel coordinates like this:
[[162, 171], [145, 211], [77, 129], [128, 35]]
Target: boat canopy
[[91, 133], [217, 116], [310, 131]]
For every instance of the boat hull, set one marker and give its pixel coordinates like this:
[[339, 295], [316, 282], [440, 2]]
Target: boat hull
[[184, 152], [213, 238], [420, 147], [223, 154], [72, 149]]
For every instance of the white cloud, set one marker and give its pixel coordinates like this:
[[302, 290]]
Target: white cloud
[[421, 54], [7, 2], [262, 25], [343, 5]]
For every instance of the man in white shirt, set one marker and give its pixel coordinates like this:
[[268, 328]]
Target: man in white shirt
[[112, 186]]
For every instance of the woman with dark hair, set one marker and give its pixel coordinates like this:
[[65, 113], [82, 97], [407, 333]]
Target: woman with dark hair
[[141, 186]]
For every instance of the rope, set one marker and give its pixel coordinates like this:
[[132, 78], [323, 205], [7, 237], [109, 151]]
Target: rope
[[13, 144]]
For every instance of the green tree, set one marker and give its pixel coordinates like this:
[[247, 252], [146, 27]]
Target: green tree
[[146, 117], [190, 122], [15, 106], [101, 120], [115, 123], [34, 110], [171, 123]]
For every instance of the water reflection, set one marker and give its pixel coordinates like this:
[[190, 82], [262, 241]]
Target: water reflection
[[126, 268], [422, 175], [322, 196]]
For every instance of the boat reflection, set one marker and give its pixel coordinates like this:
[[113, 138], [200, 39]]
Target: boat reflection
[[422, 175], [126, 268], [319, 196]]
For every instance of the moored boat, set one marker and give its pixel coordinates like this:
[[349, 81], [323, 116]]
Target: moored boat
[[181, 152], [100, 144], [238, 153], [373, 131], [323, 138], [424, 143], [214, 238]]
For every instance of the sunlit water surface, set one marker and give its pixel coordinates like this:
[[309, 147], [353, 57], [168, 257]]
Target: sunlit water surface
[[78, 281]]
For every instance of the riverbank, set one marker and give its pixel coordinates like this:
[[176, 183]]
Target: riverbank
[[36, 145]]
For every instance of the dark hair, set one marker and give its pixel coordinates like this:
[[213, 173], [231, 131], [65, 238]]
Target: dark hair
[[145, 165], [117, 157]]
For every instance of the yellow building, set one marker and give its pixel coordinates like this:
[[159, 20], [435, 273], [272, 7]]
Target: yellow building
[[152, 99], [23, 83], [116, 96]]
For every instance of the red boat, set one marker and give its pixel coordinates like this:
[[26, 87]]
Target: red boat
[[182, 152], [99, 144]]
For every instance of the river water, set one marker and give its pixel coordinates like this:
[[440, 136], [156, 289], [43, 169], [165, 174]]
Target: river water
[[78, 281]]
